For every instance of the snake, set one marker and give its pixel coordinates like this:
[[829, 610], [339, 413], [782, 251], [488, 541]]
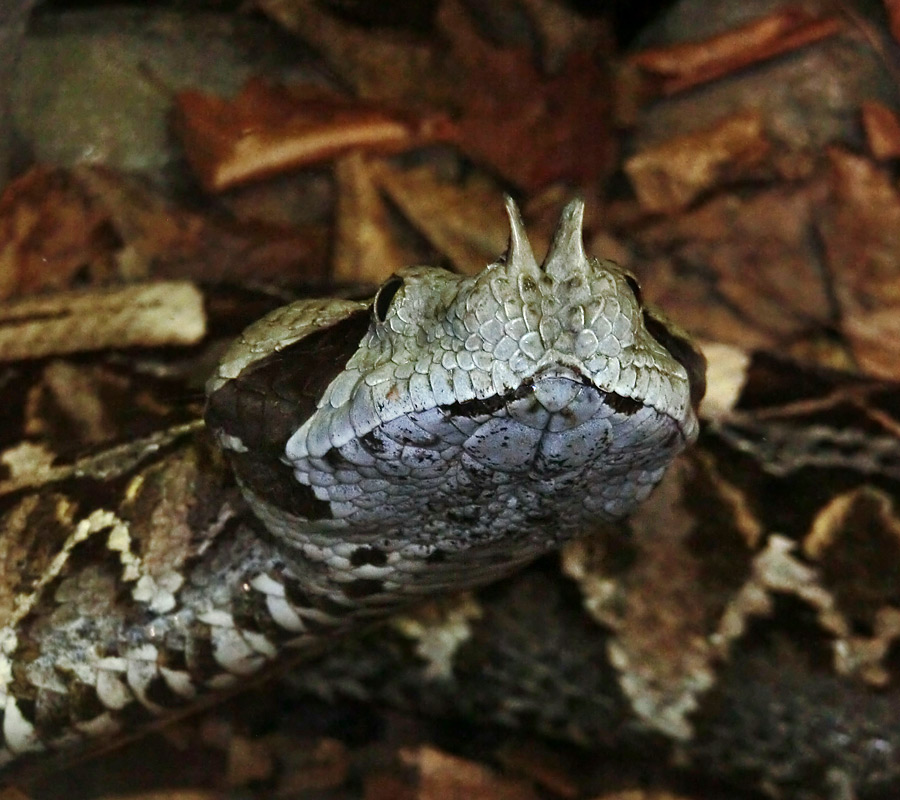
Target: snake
[[432, 439]]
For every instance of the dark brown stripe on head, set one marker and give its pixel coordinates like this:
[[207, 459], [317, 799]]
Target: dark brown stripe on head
[[684, 352], [272, 398]]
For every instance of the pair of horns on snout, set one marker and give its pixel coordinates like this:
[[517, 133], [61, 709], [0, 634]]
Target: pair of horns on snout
[[566, 254]]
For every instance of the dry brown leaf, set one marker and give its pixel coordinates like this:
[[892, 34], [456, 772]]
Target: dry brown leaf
[[266, 130], [682, 66], [141, 315], [52, 233], [464, 222], [882, 127], [531, 128], [746, 267], [893, 11], [365, 249], [93, 226], [668, 177], [156, 239], [381, 66], [861, 232], [319, 766], [542, 765], [446, 777]]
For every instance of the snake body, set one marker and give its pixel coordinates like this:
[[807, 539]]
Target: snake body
[[435, 438]]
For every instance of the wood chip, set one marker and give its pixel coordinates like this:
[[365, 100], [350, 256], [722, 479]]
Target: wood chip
[[145, 315]]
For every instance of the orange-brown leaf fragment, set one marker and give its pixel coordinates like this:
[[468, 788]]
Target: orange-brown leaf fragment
[[446, 777], [861, 232], [52, 232], [682, 66], [882, 127], [532, 128], [266, 130], [893, 11], [666, 178]]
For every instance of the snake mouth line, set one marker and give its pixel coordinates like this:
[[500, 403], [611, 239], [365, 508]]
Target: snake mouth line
[[485, 406]]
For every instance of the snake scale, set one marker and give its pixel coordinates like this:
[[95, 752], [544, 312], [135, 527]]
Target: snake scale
[[743, 621]]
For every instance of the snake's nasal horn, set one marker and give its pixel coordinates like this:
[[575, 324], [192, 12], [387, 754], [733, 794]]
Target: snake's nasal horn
[[566, 255]]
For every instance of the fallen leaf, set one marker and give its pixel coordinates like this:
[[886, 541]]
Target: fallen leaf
[[140, 315], [382, 66], [446, 777], [882, 128], [682, 66], [52, 234], [366, 249], [466, 222], [266, 130], [668, 177], [533, 129], [893, 11], [861, 232]]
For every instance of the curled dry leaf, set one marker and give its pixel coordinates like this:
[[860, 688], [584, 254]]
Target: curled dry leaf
[[666, 178], [679, 67], [882, 127], [266, 130]]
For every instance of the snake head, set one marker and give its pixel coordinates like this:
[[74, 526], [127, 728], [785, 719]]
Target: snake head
[[472, 421]]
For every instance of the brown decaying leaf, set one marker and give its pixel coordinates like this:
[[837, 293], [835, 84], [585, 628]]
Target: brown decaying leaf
[[679, 67], [142, 315], [385, 66], [861, 232], [93, 226], [532, 128], [666, 178], [893, 11], [52, 232], [740, 270], [267, 129], [446, 777], [465, 222], [882, 127]]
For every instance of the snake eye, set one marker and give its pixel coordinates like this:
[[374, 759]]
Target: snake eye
[[384, 297], [635, 288]]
